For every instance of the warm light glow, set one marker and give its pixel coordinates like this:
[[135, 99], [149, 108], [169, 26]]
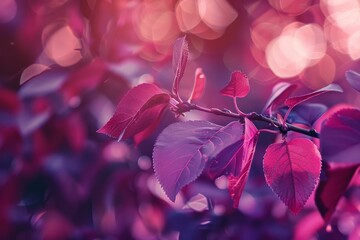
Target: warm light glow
[[8, 9], [292, 7]]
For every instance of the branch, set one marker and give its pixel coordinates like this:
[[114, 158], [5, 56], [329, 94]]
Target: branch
[[186, 107]]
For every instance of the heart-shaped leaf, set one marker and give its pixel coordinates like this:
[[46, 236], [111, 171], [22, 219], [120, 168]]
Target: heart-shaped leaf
[[199, 85], [238, 86], [279, 94], [182, 150], [292, 170], [353, 79], [139, 107], [180, 57], [340, 138]]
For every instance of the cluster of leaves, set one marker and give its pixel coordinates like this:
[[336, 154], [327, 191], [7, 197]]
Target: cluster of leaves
[[292, 165]]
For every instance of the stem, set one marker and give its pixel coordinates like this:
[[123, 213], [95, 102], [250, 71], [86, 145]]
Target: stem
[[253, 117]]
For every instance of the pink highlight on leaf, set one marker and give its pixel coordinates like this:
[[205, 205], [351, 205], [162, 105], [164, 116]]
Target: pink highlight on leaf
[[279, 94], [238, 86], [183, 149], [199, 85], [180, 57], [139, 107], [353, 79], [292, 170]]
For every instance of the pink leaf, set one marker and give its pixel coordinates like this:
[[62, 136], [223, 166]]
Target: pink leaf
[[199, 85], [340, 138], [140, 106], [180, 57], [238, 86], [279, 94], [183, 148], [238, 180], [293, 101], [332, 187], [292, 170], [353, 79]]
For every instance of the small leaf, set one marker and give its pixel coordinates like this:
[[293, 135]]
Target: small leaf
[[183, 148], [340, 138], [353, 79], [279, 94], [199, 85], [292, 170], [140, 106], [180, 57], [238, 86], [293, 101], [332, 186]]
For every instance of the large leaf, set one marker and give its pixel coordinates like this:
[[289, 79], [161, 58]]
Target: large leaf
[[180, 57], [239, 177], [353, 79], [183, 148], [199, 85], [292, 170], [332, 186], [139, 107], [340, 138], [293, 101], [307, 113], [279, 94], [238, 86]]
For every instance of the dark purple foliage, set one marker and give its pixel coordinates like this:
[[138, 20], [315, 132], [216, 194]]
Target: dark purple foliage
[[353, 79]]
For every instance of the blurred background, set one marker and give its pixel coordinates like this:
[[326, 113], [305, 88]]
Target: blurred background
[[64, 65]]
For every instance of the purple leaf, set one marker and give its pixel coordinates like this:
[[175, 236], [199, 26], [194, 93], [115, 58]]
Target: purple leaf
[[306, 114], [238, 86], [182, 150], [292, 170], [139, 107], [180, 57], [241, 173], [332, 186], [279, 94], [340, 138], [293, 101], [199, 85], [353, 79]]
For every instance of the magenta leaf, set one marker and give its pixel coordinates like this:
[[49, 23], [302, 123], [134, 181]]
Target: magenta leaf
[[180, 57], [279, 94], [199, 85], [353, 79], [238, 86], [340, 138], [182, 150], [293, 101], [332, 186], [239, 177], [292, 170], [139, 107]]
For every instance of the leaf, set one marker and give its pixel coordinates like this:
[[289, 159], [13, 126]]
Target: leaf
[[353, 79], [332, 186], [238, 86], [238, 180], [340, 138], [293, 101], [306, 114], [279, 94], [199, 85], [182, 150], [180, 57], [292, 170], [140, 106]]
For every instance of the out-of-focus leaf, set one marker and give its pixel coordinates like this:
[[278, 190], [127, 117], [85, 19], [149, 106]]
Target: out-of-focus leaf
[[353, 79], [182, 150], [292, 170], [9, 101], [293, 101], [279, 94], [139, 107], [199, 85], [180, 57], [340, 138], [238, 86], [306, 114], [32, 71], [332, 186], [239, 177]]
